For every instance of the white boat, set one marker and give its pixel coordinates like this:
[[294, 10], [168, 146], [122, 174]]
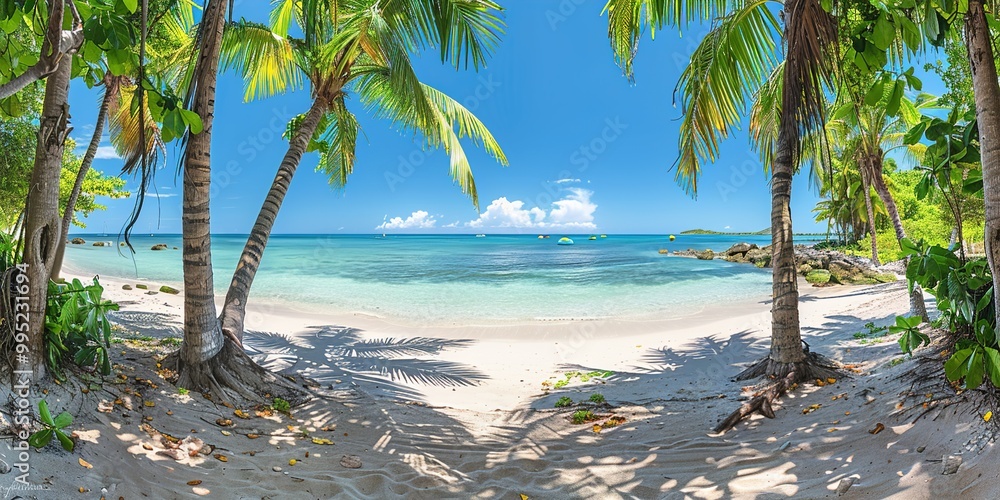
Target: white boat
[[480, 236]]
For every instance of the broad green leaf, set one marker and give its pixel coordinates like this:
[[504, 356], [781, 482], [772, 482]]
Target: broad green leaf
[[40, 439]]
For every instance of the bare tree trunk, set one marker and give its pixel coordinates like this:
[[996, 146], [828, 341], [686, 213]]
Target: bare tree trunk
[[234, 310], [208, 360], [786, 340], [987, 94], [88, 159], [866, 194], [917, 305], [42, 215], [202, 334]]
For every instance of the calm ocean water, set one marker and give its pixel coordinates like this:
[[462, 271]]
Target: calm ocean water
[[443, 279]]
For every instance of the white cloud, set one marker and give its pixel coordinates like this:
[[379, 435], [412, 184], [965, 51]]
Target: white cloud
[[505, 213], [568, 181], [574, 211], [160, 195], [417, 220], [453, 224], [107, 153]]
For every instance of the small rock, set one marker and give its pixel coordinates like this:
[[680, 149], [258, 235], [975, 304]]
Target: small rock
[[169, 289], [152, 292], [845, 484], [76, 241], [921, 449], [159, 246], [350, 461], [126, 287], [142, 286], [98, 243], [276, 468], [951, 464]]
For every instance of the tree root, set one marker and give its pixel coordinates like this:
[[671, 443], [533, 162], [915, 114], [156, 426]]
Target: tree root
[[232, 377], [787, 374]]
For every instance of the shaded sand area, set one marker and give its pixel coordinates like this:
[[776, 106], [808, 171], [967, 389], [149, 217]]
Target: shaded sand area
[[442, 412]]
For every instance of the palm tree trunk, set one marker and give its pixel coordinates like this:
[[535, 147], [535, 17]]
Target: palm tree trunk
[[987, 94], [88, 159], [866, 194], [917, 305], [234, 308], [208, 360], [202, 335], [786, 340], [42, 214]]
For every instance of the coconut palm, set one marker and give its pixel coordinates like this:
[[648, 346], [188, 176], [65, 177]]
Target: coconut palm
[[727, 70], [872, 131], [359, 48]]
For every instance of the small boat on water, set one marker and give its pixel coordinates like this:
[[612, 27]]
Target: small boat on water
[[564, 241], [604, 236], [592, 238], [480, 236], [672, 237]]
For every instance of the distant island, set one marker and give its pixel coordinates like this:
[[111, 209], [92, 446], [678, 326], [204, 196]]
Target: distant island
[[762, 232]]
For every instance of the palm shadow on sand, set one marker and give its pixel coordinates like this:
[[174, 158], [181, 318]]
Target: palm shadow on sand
[[339, 357]]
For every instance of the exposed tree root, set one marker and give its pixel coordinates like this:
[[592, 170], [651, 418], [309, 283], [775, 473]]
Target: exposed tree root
[[231, 376], [787, 375]]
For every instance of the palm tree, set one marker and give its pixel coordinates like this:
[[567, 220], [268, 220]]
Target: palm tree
[[873, 131], [987, 92], [359, 48], [733, 64]]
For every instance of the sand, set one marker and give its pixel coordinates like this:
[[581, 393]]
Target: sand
[[468, 411]]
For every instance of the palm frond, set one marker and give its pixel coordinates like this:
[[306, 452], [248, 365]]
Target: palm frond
[[123, 125], [266, 60], [628, 18], [391, 347], [726, 70], [765, 117], [337, 142], [464, 31]]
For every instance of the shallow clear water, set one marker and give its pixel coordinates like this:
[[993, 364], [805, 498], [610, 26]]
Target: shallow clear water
[[460, 277]]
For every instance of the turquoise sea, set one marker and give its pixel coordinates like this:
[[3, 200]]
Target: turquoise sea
[[456, 278]]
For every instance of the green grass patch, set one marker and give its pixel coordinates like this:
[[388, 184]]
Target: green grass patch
[[597, 398], [564, 402], [583, 416]]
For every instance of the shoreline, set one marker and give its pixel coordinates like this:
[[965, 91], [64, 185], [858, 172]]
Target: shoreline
[[470, 412]]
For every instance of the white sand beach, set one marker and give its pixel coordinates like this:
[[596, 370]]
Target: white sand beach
[[478, 419]]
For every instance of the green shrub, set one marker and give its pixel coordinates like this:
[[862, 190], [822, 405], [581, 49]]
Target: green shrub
[[583, 416], [564, 402], [76, 326], [51, 426], [597, 398], [281, 405]]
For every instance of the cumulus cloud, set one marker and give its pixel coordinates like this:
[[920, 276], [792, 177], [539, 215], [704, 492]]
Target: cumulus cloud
[[505, 213], [573, 211], [567, 181], [417, 220], [107, 153]]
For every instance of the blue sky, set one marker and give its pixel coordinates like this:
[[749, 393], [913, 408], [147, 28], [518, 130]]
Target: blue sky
[[588, 151]]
